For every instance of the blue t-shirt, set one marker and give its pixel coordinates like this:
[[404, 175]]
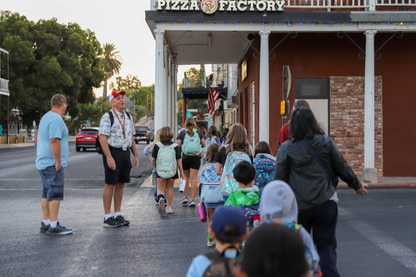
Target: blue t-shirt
[[201, 262], [51, 126]]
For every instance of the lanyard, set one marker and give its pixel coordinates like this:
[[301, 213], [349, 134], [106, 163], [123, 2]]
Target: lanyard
[[121, 124]]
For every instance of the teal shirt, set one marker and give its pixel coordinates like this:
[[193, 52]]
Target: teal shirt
[[51, 126]]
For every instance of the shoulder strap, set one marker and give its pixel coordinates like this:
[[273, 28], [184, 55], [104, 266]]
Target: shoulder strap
[[112, 117], [110, 113], [159, 144], [317, 158]]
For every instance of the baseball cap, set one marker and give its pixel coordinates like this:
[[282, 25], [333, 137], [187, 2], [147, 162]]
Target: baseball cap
[[114, 94], [228, 216]]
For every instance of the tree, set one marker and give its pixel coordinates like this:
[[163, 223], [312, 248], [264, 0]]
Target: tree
[[112, 63], [129, 83], [47, 58], [144, 98]]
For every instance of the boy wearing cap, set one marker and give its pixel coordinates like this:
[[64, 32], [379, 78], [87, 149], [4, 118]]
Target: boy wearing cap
[[228, 227], [116, 139]]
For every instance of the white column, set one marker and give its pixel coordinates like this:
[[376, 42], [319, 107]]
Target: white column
[[175, 98], [264, 87], [166, 87], [169, 90], [159, 79], [369, 171]]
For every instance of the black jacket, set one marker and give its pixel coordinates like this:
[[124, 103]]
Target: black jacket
[[311, 185]]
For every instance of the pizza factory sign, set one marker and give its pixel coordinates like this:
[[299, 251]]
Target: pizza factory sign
[[212, 6]]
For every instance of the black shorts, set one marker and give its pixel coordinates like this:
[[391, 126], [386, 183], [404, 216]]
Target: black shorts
[[123, 167], [189, 162]]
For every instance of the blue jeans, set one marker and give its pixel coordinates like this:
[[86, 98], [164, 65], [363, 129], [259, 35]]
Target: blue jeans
[[322, 221]]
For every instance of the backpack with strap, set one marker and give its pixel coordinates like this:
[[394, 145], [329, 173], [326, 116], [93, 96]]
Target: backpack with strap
[[97, 141], [208, 141], [166, 166], [264, 164], [228, 183], [220, 266], [192, 145]]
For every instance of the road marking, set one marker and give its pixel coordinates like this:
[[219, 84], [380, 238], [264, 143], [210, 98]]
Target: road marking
[[395, 249]]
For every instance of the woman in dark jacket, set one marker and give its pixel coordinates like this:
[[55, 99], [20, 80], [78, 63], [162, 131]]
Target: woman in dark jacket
[[315, 189]]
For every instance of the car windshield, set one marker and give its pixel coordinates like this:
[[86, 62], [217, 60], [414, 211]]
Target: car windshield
[[141, 129], [88, 131]]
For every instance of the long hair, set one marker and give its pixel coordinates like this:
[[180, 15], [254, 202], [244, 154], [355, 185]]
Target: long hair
[[237, 140], [212, 131], [212, 151], [190, 124], [303, 124]]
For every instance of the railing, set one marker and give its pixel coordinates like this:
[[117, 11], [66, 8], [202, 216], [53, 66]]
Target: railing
[[4, 86]]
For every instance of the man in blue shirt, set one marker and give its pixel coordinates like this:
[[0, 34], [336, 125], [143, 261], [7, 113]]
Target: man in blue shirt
[[51, 161]]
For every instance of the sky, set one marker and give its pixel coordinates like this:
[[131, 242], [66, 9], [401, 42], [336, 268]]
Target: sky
[[119, 22]]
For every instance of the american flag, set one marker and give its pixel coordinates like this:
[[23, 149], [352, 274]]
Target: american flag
[[213, 96]]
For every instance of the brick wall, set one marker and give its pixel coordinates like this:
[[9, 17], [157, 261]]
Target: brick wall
[[347, 120]]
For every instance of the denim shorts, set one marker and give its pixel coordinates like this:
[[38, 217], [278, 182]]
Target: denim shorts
[[53, 183]]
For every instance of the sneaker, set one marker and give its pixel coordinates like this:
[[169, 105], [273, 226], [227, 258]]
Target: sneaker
[[157, 201], [111, 223], [123, 222], [184, 201], [59, 230], [191, 203], [169, 210], [43, 228], [162, 208], [210, 241]]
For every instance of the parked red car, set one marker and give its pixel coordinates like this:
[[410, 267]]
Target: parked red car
[[86, 138]]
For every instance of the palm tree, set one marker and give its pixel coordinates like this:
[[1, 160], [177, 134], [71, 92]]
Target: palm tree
[[112, 63]]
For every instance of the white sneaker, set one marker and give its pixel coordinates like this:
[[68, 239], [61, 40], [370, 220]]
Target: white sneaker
[[169, 210]]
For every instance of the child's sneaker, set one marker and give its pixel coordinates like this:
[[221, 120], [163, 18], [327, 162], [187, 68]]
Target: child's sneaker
[[192, 203], [43, 228], [184, 201], [58, 230], [111, 223], [210, 241], [169, 210], [162, 208]]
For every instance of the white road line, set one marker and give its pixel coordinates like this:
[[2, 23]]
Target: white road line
[[395, 249]]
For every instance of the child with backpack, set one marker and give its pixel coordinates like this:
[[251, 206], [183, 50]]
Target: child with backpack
[[210, 138], [237, 149], [228, 227], [148, 151], [264, 164], [272, 251], [211, 194], [166, 157], [278, 206], [247, 196], [191, 140]]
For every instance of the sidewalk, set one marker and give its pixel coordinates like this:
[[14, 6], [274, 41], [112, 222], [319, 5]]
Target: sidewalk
[[14, 145]]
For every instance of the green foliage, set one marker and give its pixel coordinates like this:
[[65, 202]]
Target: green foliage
[[112, 63], [127, 84], [47, 58], [144, 98]]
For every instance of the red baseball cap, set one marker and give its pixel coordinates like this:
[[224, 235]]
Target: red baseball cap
[[115, 94]]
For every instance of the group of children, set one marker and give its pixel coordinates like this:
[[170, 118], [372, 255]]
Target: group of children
[[240, 197]]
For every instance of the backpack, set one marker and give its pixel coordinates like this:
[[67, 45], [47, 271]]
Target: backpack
[[209, 141], [252, 214], [166, 165], [228, 183], [192, 145], [220, 266], [264, 165], [97, 141]]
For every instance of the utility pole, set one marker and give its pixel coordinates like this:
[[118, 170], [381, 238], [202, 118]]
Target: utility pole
[[134, 111]]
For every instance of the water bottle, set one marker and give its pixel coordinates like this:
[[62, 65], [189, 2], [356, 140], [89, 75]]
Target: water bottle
[[202, 212]]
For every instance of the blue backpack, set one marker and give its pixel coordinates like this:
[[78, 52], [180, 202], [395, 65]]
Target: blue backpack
[[166, 165], [192, 145], [264, 164]]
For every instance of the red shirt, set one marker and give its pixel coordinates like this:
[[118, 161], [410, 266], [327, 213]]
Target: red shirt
[[284, 134]]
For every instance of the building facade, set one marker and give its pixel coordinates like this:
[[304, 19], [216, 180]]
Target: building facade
[[352, 60]]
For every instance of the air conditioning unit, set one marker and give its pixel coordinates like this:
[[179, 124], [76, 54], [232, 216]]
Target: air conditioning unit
[[234, 99]]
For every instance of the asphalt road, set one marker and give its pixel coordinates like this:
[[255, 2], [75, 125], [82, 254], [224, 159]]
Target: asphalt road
[[376, 233]]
